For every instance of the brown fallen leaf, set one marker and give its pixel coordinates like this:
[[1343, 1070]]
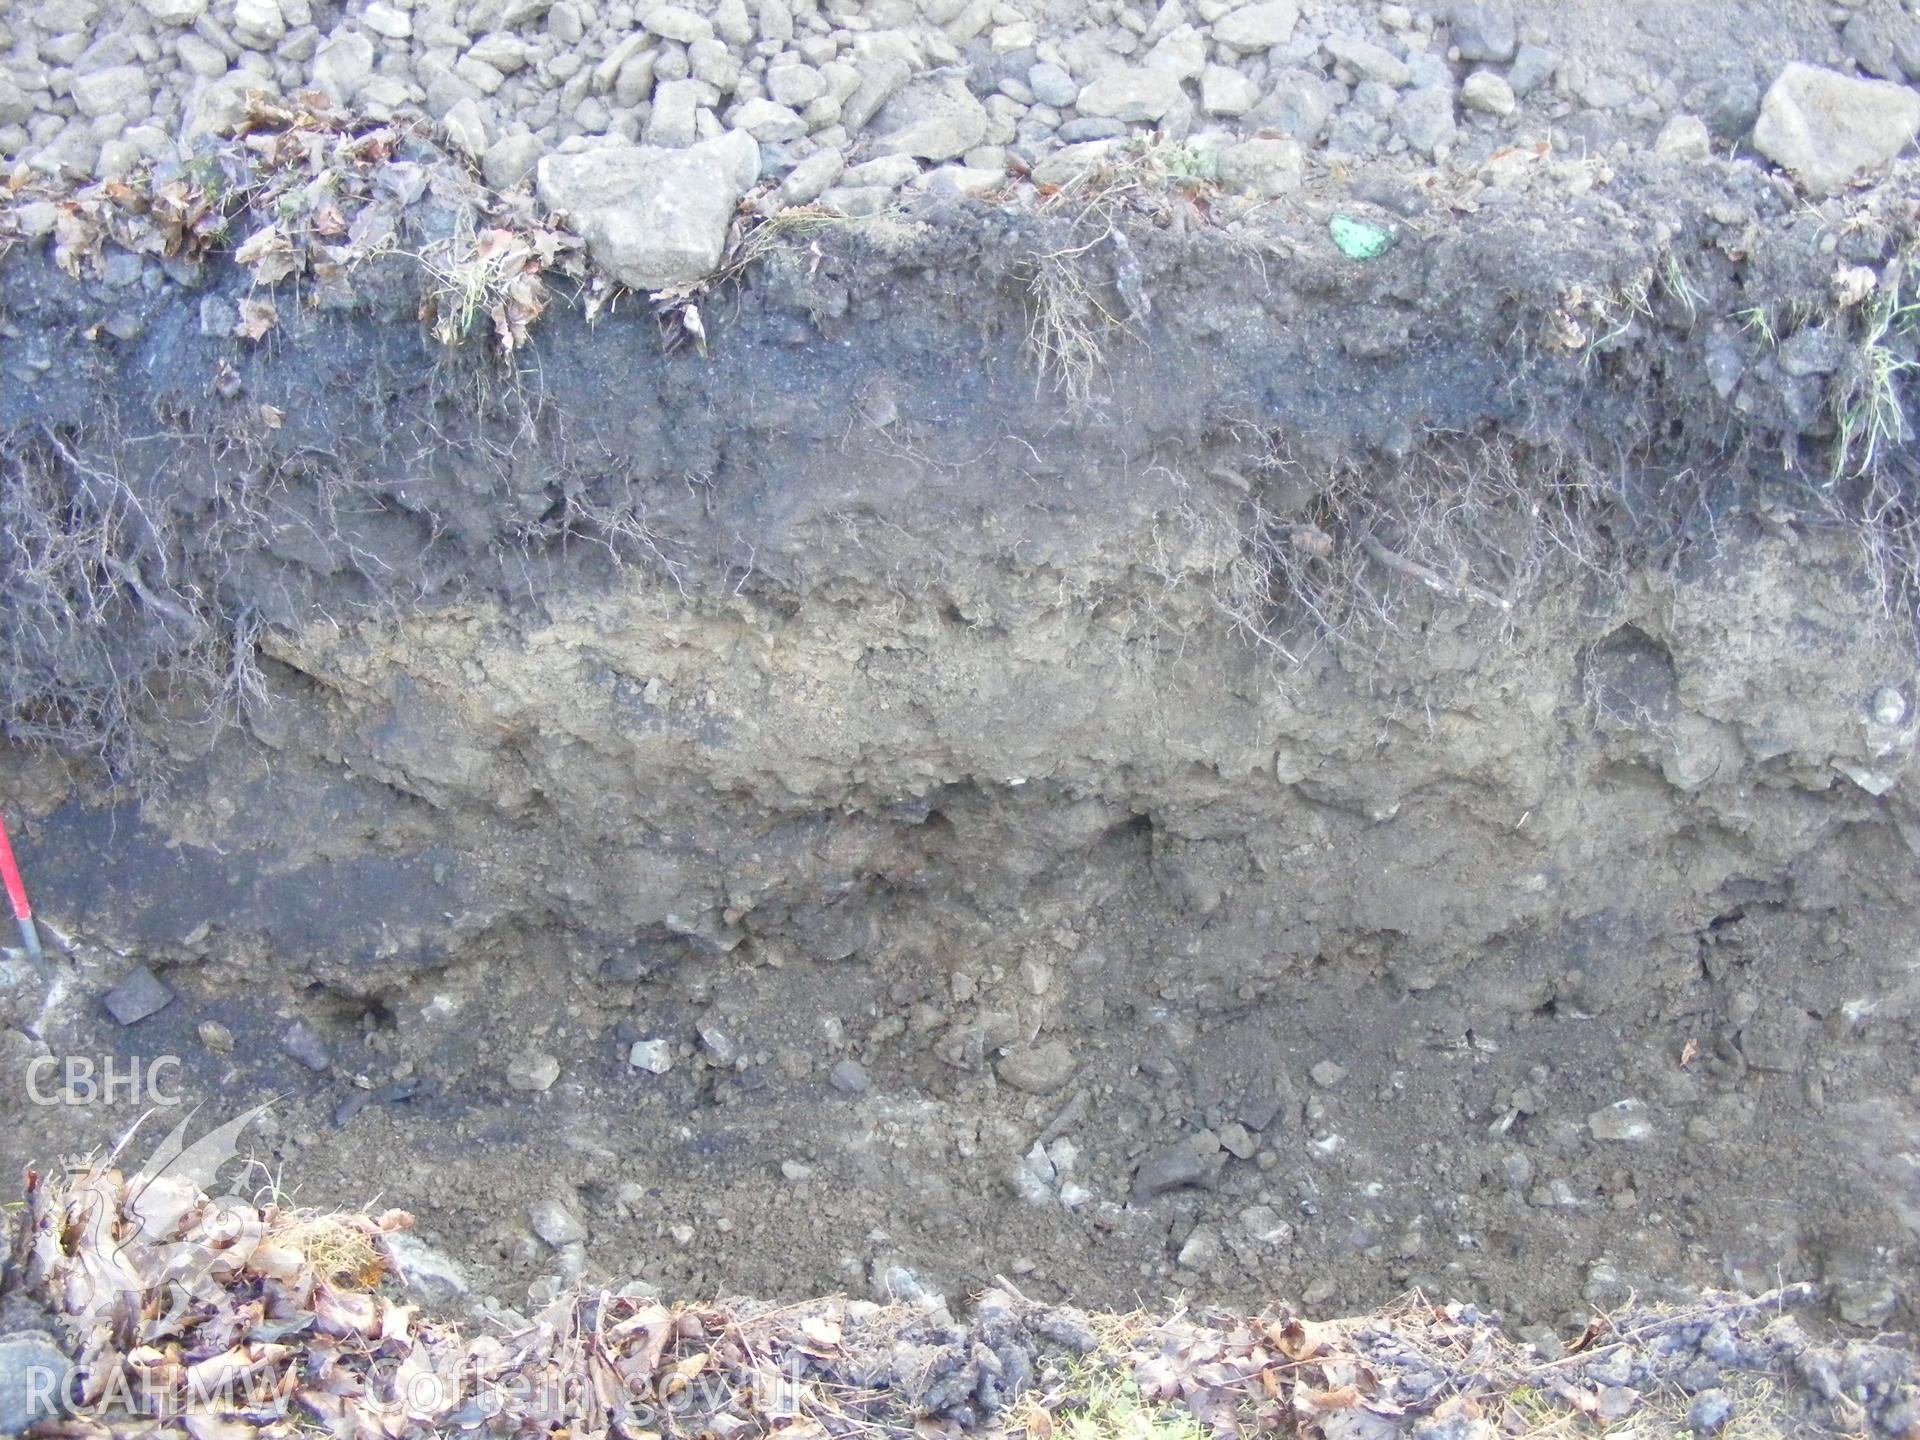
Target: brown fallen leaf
[[344, 1313], [1299, 1339], [821, 1330], [1319, 1402], [257, 317], [269, 254]]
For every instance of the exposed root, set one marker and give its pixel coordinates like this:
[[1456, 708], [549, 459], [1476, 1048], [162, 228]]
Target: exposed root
[[1295, 565], [1069, 324], [1457, 589]]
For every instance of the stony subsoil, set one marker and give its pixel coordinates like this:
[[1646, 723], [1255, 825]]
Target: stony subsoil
[[1049, 721]]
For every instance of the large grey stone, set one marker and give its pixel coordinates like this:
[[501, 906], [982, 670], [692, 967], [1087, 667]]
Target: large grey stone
[[676, 108], [305, 1044], [16, 105], [1484, 30], [506, 53], [387, 20], [1051, 85], [1257, 27], [881, 77], [216, 107], [1263, 167], [1624, 1120], [1182, 52], [1368, 60], [1297, 105], [795, 85], [769, 122], [891, 171], [1173, 1167], [257, 24], [34, 1375], [937, 121], [425, 1271], [116, 90], [1884, 44], [1533, 66], [712, 63], [1131, 95], [201, 58], [653, 218], [175, 12], [1684, 137], [805, 183], [1225, 91], [672, 22], [1425, 119], [1039, 1069], [1488, 93], [510, 159], [633, 81], [1829, 129], [343, 65], [857, 201], [554, 1223]]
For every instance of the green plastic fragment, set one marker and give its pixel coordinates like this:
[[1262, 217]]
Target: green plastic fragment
[[1359, 240]]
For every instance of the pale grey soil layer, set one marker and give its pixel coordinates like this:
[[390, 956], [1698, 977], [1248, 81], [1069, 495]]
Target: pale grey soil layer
[[1403, 784]]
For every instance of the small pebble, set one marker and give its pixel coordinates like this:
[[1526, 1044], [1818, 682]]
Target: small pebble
[[532, 1071], [1710, 1411], [1624, 1120], [849, 1077], [301, 1041], [653, 1056], [554, 1223], [140, 994]]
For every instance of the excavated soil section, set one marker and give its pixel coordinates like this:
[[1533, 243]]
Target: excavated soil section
[[1400, 786]]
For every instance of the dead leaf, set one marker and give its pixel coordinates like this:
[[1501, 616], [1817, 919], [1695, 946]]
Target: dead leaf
[[1320, 1402], [257, 317], [1299, 1339], [218, 1372], [821, 1330], [418, 1391], [269, 254], [691, 1366], [345, 1312]]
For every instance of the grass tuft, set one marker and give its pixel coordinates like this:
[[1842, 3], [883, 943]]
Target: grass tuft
[[1868, 410], [1094, 1401]]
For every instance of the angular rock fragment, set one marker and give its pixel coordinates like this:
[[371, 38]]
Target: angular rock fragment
[[1829, 129], [652, 217]]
